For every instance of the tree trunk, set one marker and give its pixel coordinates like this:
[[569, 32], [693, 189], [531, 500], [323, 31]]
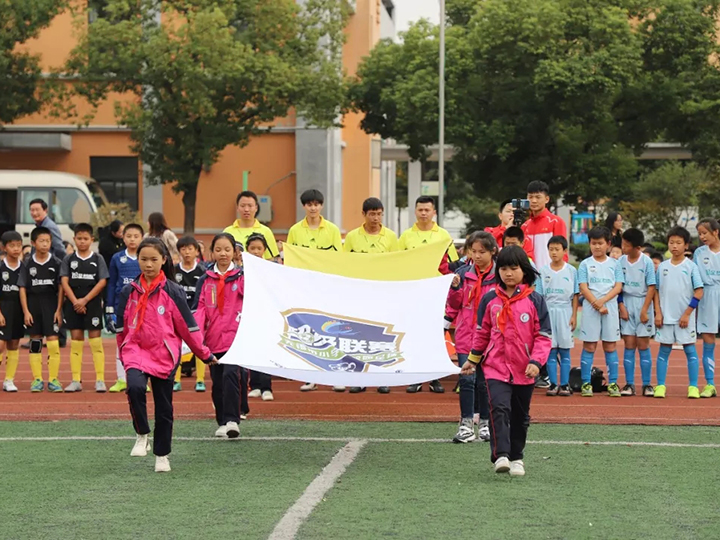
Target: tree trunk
[[189, 200]]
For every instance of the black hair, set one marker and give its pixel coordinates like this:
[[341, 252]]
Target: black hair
[[424, 199], [634, 237], [538, 186], [615, 246], [515, 256], [648, 245], [257, 237], [161, 248], [67, 244], [37, 231], [711, 224], [10, 236], [187, 241], [690, 251], [657, 256], [486, 240], [83, 227], [41, 202], [134, 226], [599, 233], [514, 232], [682, 232], [249, 195], [610, 221], [227, 236], [115, 226], [557, 239], [311, 196], [504, 204], [373, 203]]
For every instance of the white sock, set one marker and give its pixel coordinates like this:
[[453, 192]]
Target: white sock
[[120, 370]]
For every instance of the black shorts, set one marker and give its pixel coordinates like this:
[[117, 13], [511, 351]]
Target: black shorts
[[91, 320], [14, 321], [42, 308]]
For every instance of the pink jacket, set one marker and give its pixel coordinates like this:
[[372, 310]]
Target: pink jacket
[[219, 328], [155, 347], [460, 306], [527, 337]]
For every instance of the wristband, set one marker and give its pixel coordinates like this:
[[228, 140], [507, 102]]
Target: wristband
[[446, 324], [474, 359], [109, 310], [694, 303], [620, 299]]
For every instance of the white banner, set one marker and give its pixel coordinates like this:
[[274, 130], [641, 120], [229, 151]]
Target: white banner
[[333, 330]]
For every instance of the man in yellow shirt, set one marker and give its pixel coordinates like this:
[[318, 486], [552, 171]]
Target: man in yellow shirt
[[426, 231], [315, 232], [247, 224]]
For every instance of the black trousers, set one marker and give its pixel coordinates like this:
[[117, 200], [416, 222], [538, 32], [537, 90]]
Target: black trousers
[[162, 395], [509, 418], [260, 381]]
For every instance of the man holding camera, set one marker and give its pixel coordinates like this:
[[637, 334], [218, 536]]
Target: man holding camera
[[507, 220], [542, 224]]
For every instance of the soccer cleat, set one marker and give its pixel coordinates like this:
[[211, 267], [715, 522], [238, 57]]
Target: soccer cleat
[[517, 468], [484, 432], [465, 433], [436, 387], [693, 392], [357, 389], [502, 465], [587, 390], [232, 430], [255, 393], [100, 387], [141, 447], [74, 386], [628, 390], [565, 391], [38, 385], [383, 389], [55, 386], [267, 395], [221, 432], [709, 391], [659, 391], [119, 386], [648, 391], [338, 389], [9, 386], [177, 387], [553, 390], [199, 386], [542, 382], [162, 464], [414, 388], [308, 387], [614, 390]]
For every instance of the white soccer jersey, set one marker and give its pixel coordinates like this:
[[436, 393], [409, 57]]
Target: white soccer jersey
[[708, 264], [558, 287], [676, 286], [600, 277], [638, 275]]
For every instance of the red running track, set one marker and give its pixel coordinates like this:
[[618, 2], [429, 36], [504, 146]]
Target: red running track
[[324, 404]]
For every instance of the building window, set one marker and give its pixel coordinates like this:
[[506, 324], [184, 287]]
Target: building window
[[118, 177]]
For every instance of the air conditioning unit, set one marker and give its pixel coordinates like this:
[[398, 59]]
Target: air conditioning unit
[[265, 213]]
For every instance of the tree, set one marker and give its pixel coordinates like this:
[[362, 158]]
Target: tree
[[21, 20], [205, 74]]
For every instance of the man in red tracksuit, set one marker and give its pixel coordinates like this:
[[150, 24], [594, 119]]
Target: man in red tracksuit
[[506, 216], [542, 224]]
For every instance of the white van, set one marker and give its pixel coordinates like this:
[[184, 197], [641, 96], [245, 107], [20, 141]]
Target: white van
[[71, 199]]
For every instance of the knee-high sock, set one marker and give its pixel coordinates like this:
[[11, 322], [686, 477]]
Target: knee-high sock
[[13, 357], [629, 365], [693, 363], [708, 361], [564, 366], [613, 363], [53, 359], [183, 360], [36, 365], [98, 354], [76, 352], [662, 363], [586, 362], [120, 370], [178, 373], [199, 370], [552, 366], [646, 366]]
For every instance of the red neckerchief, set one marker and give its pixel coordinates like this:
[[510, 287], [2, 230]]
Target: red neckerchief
[[147, 289], [221, 291], [506, 311], [475, 295]]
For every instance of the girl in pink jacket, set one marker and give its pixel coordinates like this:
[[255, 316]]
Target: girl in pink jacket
[[512, 341], [219, 298], [153, 320], [469, 285]]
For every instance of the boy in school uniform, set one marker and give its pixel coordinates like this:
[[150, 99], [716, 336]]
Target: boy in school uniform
[[41, 298], [679, 291], [601, 280], [637, 320], [83, 276], [12, 329]]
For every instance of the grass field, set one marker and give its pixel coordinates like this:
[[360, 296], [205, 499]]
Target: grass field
[[77, 480]]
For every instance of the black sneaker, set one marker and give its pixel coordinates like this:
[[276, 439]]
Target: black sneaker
[[542, 382], [357, 389], [553, 390], [436, 387], [565, 391], [383, 389], [628, 390], [414, 388], [648, 391]]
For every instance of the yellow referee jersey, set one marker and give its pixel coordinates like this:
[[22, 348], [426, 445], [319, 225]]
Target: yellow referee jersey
[[241, 235], [359, 241], [414, 237], [326, 236]]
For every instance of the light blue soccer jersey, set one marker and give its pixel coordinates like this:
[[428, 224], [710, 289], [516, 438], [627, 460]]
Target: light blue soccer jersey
[[558, 287], [600, 277], [676, 285], [638, 275], [708, 264]]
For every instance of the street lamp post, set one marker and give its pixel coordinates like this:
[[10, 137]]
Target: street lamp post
[[441, 145]]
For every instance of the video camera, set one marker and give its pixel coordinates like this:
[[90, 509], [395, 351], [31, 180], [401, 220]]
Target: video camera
[[519, 206]]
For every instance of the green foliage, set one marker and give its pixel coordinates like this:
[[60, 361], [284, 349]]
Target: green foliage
[[107, 213]]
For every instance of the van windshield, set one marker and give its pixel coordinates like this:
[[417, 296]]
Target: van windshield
[[97, 193]]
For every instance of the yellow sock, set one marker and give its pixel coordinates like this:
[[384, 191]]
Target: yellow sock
[[54, 359], [36, 365], [199, 370], [76, 352], [98, 354], [13, 357], [183, 360]]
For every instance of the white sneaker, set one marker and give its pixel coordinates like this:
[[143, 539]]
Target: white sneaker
[[100, 387], [255, 393], [307, 387], [484, 432], [221, 432], [502, 465], [517, 468], [162, 464], [142, 445], [465, 433], [9, 386], [338, 388], [232, 430], [74, 386], [243, 417], [267, 395]]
